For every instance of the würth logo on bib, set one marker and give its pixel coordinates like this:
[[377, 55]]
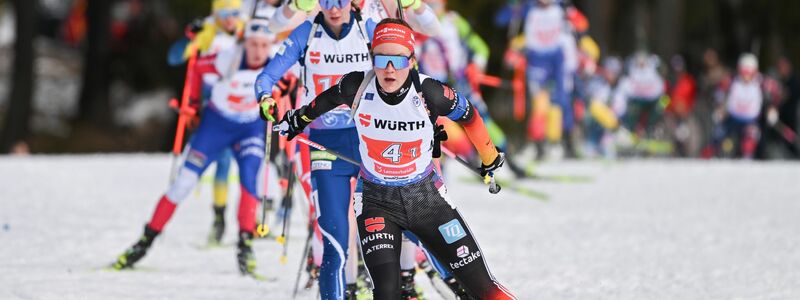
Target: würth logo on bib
[[314, 56], [365, 119], [374, 224], [399, 125], [346, 58]]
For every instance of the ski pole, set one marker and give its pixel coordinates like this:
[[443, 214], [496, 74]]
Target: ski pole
[[301, 138], [303, 258], [263, 229], [184, 111], [494, 188], [400, 14], [287, 206], [312, 226]]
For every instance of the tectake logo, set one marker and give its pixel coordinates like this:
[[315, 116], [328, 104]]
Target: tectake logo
[[315, 56], [462, 251], [466, 259], [374, 224], [365, 119], [452, 231]]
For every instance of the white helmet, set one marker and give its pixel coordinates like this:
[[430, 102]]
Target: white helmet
[[643, 60], [613, 66], [748, 64]]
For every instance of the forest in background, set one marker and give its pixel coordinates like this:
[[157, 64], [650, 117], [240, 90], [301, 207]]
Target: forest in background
[[121, 56]]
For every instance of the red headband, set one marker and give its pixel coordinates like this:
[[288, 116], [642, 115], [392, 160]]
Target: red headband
[[394, 33]]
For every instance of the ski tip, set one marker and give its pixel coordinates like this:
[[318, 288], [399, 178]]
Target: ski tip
[[111, 268], [260, 278]]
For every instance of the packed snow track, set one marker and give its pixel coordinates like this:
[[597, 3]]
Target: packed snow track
[[638, 230]]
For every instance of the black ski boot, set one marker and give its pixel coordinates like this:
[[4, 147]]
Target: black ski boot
[[408, 290], [244, 255], [516, 169], [541, 151], [218, 227], [351, 291], [313, 271], [457, 289], [137, 251], [568, 143]]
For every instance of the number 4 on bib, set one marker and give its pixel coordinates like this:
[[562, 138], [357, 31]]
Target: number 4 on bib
[[391, 152]]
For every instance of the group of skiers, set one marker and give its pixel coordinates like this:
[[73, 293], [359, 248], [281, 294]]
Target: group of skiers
[[643, 104], [367, 95], [587, 106], [344, 77]]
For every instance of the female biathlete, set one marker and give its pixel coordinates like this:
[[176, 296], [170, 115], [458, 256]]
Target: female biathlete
[[230, 120], [332, 44], [395, 108]]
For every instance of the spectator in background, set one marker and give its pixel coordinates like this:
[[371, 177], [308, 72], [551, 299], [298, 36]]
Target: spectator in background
[[642, 87], [682, 93], [789, 111], [20, 149], [738, 112], [714, 77], [683, 88]]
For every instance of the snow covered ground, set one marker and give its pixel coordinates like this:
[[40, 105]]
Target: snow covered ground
[[640, 230]]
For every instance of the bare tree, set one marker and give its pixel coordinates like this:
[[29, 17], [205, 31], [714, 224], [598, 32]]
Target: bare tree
[[94, 105], [600, 14], [18, 115], [669, 20]]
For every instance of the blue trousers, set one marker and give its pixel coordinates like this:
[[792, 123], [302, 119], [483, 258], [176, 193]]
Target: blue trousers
[[215, 134], [330, 181], [544, 67]]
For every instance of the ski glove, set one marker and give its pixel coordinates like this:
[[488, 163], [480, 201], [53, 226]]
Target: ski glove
[[413, 4], [302, 5], [267, 108], [496, 164], [439, 136], [293, 123]]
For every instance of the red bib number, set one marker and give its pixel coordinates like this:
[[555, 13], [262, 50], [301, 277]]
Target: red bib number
[[324, 82], [392, 153]]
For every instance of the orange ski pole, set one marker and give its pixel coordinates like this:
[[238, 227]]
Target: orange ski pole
[[184, 111]]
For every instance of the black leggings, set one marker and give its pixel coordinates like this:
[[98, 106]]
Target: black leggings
[[422, 208]]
